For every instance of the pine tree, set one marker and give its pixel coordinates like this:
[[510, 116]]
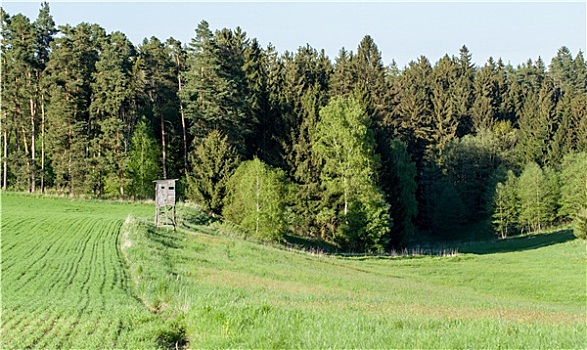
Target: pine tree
[[46, 31], [179, 58], [111, 101], [70, 126], [213, 162], [20, 100], [160, 87]]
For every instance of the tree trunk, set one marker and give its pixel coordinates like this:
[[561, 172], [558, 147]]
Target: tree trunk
[[346, 201], [257, 205], [163, 153], [27, 153], [42, 145], [33, 160], [5, 160], [185, 140]]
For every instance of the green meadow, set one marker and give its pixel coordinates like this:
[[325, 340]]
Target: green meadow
[[97, 274]]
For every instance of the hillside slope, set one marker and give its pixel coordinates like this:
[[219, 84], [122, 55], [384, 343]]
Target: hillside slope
[[226, 292]]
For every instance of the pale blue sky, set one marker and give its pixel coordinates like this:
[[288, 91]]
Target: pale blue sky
[[514, 31]]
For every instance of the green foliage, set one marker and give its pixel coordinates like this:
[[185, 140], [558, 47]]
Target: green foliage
[[489, 91], [215, 91], [580, 224], [506, 206], [213, 162], [306, 169], [255, 200], [345, 145], [72, 103], [143, 166], [538, 193], [537, 125], [573, 181]]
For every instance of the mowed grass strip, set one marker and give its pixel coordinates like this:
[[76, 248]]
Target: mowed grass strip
[[64, 283], [231, 293]]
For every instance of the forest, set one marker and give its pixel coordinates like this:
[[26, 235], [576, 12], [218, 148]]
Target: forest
[[350, 152]]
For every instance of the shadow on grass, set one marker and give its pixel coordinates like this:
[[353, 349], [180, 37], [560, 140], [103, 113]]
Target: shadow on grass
[[164, 236], [518, 243], [309, 244]]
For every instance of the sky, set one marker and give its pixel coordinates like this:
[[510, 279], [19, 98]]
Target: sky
[[403, 31]]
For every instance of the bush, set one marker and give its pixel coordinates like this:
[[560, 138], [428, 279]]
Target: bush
[[255, 200], [580, 228]]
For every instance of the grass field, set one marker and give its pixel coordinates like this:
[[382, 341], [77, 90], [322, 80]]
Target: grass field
[[76, 274], [64, 283]]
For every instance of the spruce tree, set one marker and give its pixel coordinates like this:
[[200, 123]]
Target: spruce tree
[[580, 224], [213, 162], [444, 119], [215, 92], [414, 109], [449, 211], [538, 125], [485, 109], [344, 77], [462, 96]]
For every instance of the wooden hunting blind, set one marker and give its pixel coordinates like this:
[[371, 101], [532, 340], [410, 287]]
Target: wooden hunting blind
[[165, 203]]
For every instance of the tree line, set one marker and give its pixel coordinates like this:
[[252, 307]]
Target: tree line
[[347, 151]]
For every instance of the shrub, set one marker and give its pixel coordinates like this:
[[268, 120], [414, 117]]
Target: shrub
[[581, 224]]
